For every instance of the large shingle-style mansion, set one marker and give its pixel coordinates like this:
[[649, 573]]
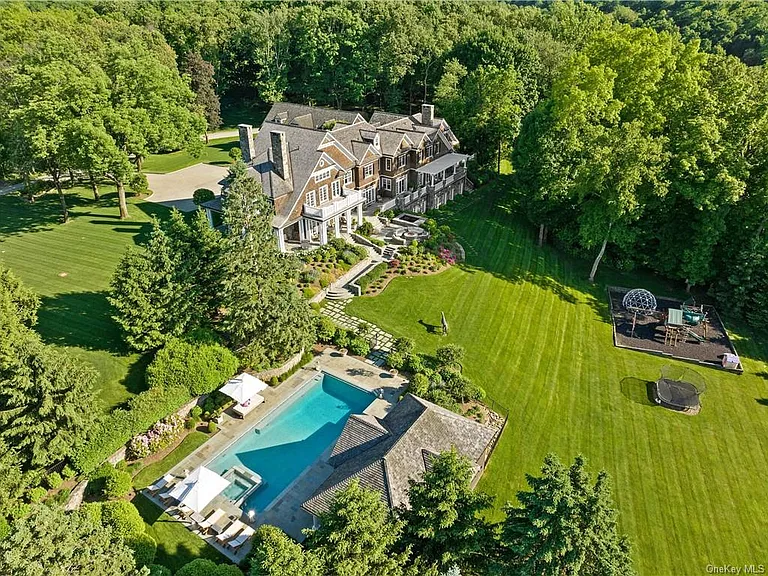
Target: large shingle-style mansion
[[323, 168]]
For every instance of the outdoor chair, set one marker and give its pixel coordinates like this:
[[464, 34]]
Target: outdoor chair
[[231, 531], [163, 482], [241, 538], [210, 521]]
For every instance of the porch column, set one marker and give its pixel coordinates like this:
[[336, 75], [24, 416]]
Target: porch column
[[337, 225], [280, 239], [348, 216], [359, 214], [323, 233], [302, 230]]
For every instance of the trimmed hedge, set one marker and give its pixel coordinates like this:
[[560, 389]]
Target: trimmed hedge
[[121, 424], [371, 276], [144, 549], [201, 367], [118, 484], [306, 358], [53, 480], [122, 518]]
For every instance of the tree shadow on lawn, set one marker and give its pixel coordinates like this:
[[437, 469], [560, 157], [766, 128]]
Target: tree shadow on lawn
[[19, 216], [80, 319]]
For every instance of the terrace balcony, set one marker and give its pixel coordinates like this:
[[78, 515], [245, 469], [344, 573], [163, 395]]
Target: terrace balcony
[[350, 199]]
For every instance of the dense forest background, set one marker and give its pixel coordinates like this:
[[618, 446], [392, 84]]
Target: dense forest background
[[628, 132]]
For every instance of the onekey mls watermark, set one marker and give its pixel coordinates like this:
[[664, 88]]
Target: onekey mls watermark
[[735, 568]]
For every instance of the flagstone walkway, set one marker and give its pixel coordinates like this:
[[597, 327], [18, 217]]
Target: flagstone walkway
[[382, 342]]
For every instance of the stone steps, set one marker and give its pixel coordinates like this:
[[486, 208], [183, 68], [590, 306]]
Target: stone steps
[[389, 252], [339, 294]]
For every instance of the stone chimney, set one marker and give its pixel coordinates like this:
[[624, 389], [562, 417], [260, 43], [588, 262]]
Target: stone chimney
[[280, 157], [247, 148], [427, 114]]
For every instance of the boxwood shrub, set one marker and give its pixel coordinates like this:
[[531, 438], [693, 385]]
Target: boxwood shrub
[[201, 367], [144, 549], [372, 275]]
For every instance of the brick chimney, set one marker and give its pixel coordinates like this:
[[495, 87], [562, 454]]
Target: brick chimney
[[280, 157], [427, 114], [247, 148]]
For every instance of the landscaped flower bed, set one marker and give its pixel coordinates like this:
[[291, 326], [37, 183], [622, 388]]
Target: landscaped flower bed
[[413, 260], [326, 264], [158, 437]]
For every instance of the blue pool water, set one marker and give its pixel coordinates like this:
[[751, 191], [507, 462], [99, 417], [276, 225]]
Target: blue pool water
[[283, 445]]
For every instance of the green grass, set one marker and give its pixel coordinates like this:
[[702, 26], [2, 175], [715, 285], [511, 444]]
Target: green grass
[[175, 544], [236, 111], [70, 266], [689, 490], [216, 152], [149, 474]]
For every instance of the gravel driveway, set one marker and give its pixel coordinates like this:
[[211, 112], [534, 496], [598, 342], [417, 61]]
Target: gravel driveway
[[175, 188]]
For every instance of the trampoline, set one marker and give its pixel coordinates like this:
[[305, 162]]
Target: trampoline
[[679, 389]]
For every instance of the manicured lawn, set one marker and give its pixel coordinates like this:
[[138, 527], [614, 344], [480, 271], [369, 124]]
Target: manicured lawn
[[690, 490], [70, 266], [150, 473], [239, 111], [175, 544], [216, 152]]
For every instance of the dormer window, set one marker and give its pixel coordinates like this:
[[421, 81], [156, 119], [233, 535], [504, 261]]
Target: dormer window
[[348, 179], [402, 159], [376, 141], [388, 164], [368, 170]]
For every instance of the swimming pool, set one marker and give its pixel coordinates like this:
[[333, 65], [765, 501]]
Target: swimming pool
[[291, 438]]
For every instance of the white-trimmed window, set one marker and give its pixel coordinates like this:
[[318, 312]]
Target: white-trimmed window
[[348, 179], [388, 164], [402, 159], [368, 170], [386, 183], [310, 199], [401, 185], [336, 188], [429, 150], [419, 156], [322, 175], [370, 194], [323, 193]]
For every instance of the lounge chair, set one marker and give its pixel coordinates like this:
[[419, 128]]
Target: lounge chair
[[165, 496], [161, 483], [186, 511], [231, 531], [209, 521], [241, 538]]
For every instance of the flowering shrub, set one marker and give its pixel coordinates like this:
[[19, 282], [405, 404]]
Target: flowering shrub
[[157, 438], [446, 256], [394, 263]]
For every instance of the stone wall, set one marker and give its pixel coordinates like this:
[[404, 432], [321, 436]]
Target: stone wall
[[276, 372]]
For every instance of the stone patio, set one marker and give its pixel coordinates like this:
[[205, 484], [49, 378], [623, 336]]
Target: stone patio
[[285, 511]]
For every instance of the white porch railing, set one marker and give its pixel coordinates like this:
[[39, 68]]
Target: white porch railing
[[352, 199]]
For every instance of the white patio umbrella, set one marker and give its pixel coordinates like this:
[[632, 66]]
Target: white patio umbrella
[[243, 387], [199, 488]]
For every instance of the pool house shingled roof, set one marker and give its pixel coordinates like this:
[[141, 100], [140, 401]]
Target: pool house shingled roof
[[385, 454]]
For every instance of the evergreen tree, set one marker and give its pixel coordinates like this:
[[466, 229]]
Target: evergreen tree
[[443, 523], [47, 403], [564, 525], [357, 535], [275, 554], [147, 294], [56, 543], [265, 316]]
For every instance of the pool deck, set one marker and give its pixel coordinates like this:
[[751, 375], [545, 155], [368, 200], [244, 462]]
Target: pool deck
[[285, 511]]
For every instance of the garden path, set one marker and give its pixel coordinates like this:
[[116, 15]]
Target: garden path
[[382, 342]]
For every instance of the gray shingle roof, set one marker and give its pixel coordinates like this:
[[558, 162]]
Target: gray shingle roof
[[379, 118], [318, 116], [417, 430]]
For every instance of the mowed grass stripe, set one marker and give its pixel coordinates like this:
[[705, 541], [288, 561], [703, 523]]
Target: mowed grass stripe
[[70, 266], [689, 489]]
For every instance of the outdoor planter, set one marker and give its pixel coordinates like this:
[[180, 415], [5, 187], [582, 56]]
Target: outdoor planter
[[343, 351], [393, 371]]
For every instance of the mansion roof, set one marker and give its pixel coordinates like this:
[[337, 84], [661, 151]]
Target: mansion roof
[[386, 454]]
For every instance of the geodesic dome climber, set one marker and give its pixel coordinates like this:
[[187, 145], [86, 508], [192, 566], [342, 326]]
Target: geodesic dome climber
[[639, 301]]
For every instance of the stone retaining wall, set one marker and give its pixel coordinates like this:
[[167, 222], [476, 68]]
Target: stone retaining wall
[[276, 372]]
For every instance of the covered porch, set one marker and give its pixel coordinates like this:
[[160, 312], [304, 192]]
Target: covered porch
[[308, 231]]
